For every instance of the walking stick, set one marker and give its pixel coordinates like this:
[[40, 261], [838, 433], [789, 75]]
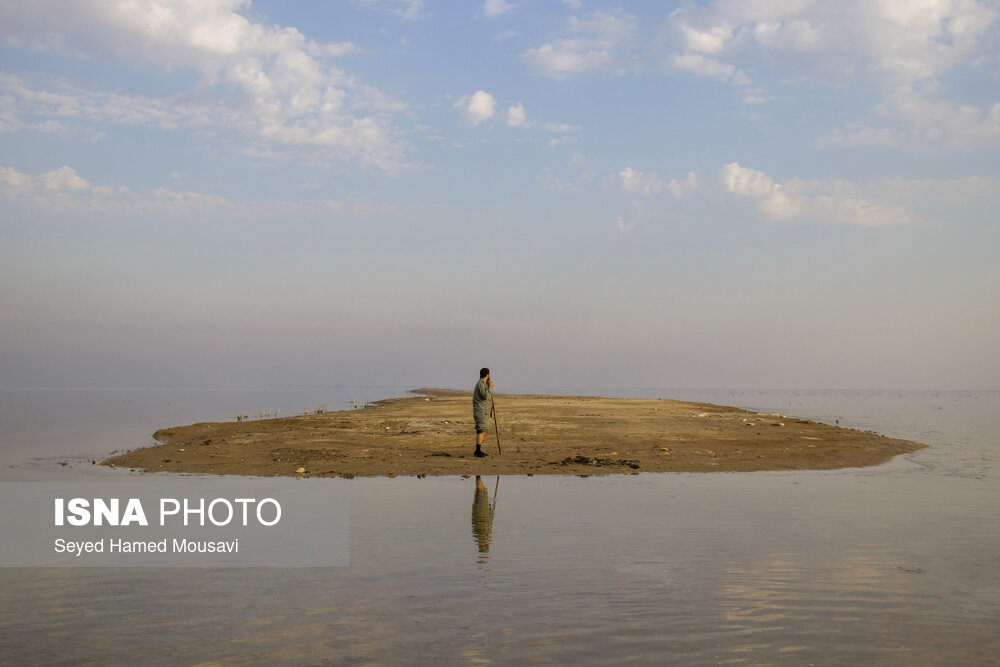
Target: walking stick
[[496, 428]]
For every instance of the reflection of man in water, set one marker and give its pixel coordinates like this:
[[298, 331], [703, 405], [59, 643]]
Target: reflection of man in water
[[482, 517]]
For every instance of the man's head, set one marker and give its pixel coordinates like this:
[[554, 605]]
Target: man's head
[[483, 372]]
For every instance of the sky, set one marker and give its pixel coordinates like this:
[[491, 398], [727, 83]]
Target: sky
[[783, 194]]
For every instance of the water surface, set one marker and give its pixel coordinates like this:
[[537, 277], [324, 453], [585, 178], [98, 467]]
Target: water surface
[[889, 565]]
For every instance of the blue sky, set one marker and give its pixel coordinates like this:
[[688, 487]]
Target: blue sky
[[762, 194]]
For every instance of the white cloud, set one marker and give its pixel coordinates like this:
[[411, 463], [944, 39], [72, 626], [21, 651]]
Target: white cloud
[[476, 108], [901, 40], [956, 201], [559, 141], [624, 226], [700, 65], [481, 106], [598, 43], [826, 201], [918, 39], [770, 197], [94, 136], [331, 49], [516, 116], [848, 210], [757, 96], [13, 182], [496, 7], [637, 182], [712, 40], [269, 85], [790, 35], [915, 121], [550, 181], [656, 215], [680, 189], [610, 29], [63, 190], [63, 178], [405, 9], [566, 57]]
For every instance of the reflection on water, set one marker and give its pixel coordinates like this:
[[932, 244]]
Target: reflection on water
[[867, 591], [482, 516], [895, 565]]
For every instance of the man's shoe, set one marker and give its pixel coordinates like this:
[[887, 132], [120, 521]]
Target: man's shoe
[[479, 452]]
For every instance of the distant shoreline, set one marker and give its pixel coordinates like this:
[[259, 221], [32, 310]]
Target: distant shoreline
[[432, 433]]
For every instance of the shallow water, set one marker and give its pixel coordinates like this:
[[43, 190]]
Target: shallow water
[[889, 565]]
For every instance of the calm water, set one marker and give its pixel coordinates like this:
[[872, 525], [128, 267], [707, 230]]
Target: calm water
[[890, 565]]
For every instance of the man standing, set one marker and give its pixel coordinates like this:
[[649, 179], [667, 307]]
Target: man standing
[[482, 407]]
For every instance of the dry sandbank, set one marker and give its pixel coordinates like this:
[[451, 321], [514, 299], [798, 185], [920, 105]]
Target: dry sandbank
[[431, 433]]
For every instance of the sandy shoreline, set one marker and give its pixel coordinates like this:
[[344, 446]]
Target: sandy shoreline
[[431, 433]]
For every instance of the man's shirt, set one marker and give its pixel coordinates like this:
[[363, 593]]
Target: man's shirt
[[481, 399]]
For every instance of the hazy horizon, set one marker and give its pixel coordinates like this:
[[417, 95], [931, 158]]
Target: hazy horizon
[[789, 195]]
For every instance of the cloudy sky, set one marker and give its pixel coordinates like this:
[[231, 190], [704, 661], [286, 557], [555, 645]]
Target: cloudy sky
[[724, 193]]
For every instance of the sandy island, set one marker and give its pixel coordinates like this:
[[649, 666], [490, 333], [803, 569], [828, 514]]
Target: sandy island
[[431, 433]]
